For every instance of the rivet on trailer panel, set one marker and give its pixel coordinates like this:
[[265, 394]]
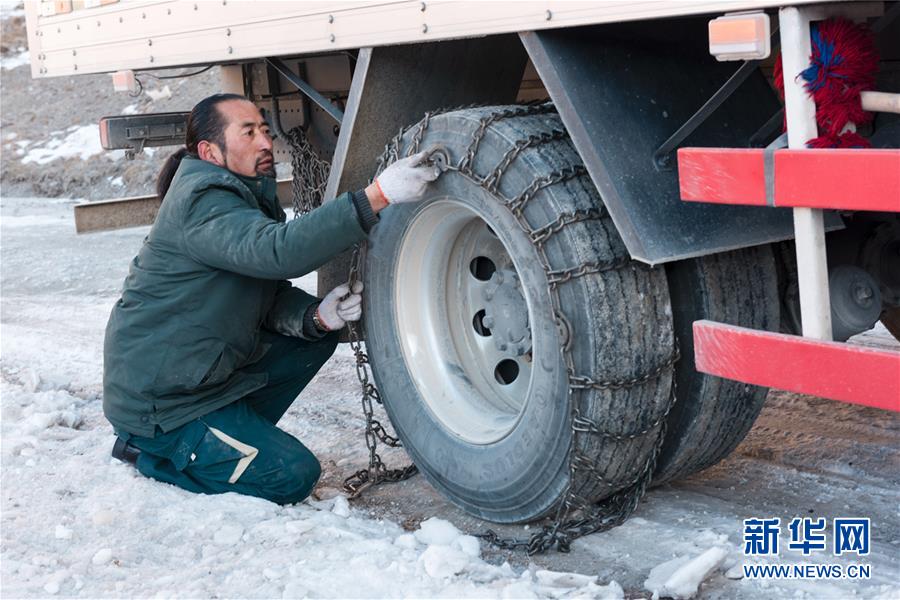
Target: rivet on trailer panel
[[331, 18], [228, 32], [230, 50], [424, 27], [149, 42], [331, 37], [549, 15], [422, 7]]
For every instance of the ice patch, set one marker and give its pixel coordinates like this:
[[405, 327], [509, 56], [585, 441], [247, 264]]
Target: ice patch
[[12, 62], [443, 561], [118, 181], [131, 109], [436, 531], [81, 141], [160, 93], [228, 535], [341, 507], [102, 556], [406, 540], [681, 577]]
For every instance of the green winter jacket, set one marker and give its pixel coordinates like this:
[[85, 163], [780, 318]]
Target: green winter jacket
[[211, 273]]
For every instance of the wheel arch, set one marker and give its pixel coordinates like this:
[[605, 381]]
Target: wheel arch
[[621, 90]]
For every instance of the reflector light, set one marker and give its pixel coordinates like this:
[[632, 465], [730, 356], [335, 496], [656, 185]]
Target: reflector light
[[740, 37], [104, 134], [123, 81]]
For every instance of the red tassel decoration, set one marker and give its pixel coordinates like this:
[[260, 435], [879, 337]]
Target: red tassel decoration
[[844, 62]]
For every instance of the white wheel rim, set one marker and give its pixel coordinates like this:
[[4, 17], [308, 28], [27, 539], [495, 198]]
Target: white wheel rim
[[475, 390]]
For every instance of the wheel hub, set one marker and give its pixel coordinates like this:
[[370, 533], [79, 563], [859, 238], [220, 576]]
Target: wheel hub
[[506, 313]]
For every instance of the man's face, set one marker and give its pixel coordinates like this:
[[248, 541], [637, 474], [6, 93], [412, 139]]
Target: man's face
[[248, 144]]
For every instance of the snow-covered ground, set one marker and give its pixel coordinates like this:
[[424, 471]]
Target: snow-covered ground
[[77, 523]]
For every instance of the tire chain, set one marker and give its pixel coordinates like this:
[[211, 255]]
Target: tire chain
[[310, 177], [575, 516]]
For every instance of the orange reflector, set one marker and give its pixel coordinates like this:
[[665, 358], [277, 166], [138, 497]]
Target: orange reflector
[[740, 37], [124, 81], [104, 134]]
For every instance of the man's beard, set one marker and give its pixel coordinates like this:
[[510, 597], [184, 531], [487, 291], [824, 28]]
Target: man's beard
[[266, 172]]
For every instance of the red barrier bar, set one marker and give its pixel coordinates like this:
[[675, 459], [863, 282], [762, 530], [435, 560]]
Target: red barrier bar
[[722, 175], [844, 372], [849, 179], [842, 179]]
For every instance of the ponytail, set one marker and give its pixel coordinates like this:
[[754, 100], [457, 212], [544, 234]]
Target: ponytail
[[167, 173], [204, 123]]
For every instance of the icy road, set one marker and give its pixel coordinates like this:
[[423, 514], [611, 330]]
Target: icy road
[[77, 523]]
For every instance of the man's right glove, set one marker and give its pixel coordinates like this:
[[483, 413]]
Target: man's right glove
[[406, 179], [333, 313]]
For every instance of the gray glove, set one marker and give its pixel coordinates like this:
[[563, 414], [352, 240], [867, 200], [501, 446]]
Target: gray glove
[[407, 179]]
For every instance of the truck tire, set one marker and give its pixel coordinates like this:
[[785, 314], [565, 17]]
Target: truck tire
[[460, 330], [712, 414]]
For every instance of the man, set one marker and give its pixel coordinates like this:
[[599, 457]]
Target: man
[[210, 344]]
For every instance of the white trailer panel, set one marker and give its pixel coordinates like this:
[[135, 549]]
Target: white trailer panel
[[97, 36]]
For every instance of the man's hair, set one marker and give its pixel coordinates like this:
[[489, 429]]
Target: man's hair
[[205, 122]]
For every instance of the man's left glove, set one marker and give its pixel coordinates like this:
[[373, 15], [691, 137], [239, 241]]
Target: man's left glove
[[339, 306]]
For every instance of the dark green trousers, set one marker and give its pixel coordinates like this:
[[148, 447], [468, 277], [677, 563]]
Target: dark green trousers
[[238, 448]]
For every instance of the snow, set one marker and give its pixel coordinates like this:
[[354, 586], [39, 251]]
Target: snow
[[11, 8], [20, 59], [159, 93], [79, 142], [681, 577], [77, 523]]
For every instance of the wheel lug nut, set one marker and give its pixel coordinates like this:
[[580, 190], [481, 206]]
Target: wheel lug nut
[[488, 321], [502, 347]]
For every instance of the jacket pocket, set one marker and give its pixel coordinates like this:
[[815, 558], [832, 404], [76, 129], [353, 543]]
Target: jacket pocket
[[222, 367], [183, 371]]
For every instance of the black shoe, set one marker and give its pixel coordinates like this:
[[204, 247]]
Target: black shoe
[[125, 451]]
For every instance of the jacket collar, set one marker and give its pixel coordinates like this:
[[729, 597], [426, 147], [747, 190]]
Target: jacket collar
[[262, 188]]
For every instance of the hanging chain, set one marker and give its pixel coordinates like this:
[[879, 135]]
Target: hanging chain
[[310, 173], [310, 176], [376, 472]]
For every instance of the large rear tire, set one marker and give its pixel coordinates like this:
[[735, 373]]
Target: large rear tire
[[712, 414], [461, 334]]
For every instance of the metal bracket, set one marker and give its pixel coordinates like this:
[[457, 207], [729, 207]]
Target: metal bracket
[[311, 93], [663, 157]]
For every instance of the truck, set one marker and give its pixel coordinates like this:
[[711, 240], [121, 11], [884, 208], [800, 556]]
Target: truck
[[629, 244]]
